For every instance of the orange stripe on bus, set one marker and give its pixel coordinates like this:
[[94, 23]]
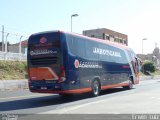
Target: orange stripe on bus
[[113, 86], [78, 91]]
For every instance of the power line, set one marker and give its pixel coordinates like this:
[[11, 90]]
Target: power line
[[15, 34], [8, 28]]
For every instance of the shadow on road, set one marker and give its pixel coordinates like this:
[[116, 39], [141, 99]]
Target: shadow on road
[[48, 101]]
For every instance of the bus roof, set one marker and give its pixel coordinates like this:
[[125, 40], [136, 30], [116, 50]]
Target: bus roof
[[90, 38], [100, 40]]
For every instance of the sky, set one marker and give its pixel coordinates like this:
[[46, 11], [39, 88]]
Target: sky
[[138, 19]]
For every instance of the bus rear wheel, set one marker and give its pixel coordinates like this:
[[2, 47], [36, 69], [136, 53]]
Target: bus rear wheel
[[95, 88]]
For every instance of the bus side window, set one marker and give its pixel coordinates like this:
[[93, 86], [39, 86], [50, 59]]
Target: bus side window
[[72, 44], [90, 46], [80, 47], [76, 46]]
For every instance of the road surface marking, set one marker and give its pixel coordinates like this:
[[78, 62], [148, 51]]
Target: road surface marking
[[26, 96]]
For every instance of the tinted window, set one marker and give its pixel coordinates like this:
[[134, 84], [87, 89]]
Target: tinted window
[[90, 46], [93, 50], [112, 54], [76, 46]]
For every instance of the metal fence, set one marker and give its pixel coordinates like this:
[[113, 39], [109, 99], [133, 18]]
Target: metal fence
[[13, 45], [12, 56]]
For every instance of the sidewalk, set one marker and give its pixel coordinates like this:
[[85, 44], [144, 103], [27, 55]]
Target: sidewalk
[[149, 77], [6, 85]]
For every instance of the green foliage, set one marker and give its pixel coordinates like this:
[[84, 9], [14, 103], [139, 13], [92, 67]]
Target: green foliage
[[12, 70], [148, 67]]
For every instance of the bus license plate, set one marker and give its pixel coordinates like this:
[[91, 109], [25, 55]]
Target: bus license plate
[[43, 88]]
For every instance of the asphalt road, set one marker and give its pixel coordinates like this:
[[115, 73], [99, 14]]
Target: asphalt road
[[144, 98]]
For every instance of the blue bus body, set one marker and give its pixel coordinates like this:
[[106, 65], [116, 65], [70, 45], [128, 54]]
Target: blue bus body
[[67, 63]]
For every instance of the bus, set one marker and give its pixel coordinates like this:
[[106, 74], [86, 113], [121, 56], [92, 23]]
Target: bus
[[68, 63]]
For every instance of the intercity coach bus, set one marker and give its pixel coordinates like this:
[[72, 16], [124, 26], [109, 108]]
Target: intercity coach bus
[[69, 63]]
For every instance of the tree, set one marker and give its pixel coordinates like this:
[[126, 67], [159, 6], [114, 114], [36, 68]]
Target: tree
[[148, 67]]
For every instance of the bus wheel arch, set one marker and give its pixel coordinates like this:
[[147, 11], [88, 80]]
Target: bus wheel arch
[[131, 79], [130, 83]]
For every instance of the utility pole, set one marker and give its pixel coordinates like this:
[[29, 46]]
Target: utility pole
[[20, 47], [142, 53], [142, 44], [2, 38], [6, 43]]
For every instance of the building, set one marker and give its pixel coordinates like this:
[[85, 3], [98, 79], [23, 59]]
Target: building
[[15, 47], [107, 34]]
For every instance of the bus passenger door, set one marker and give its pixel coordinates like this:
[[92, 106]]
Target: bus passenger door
[[136, 67]]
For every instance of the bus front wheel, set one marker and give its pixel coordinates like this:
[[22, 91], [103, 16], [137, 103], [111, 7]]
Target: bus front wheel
[[130, 85], [95, 88]]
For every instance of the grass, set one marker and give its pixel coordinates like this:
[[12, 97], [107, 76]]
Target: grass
[[10, 70], [157, 72]]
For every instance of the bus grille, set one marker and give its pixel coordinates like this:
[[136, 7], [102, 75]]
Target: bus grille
[[44, 61]]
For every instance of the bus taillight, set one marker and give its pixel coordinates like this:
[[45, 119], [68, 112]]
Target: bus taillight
[[62, 75]]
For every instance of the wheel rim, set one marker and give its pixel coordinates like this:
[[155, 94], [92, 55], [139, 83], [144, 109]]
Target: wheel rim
[[130, 85], [96, 88]]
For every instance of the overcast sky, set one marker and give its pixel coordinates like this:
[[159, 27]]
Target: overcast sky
[[137, 18]]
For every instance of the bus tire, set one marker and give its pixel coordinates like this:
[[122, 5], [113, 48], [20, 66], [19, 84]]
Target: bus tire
[[130, 85], [95, 88]]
